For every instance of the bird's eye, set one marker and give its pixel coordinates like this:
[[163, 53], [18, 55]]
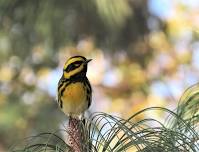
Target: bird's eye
[[76, 65]]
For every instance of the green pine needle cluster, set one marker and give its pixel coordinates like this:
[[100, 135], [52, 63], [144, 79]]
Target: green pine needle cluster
[[106, 133]]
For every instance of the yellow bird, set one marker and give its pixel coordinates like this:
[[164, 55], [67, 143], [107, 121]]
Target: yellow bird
[[74, 89]]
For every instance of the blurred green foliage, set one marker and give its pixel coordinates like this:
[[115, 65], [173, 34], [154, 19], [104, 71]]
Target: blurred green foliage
[[134, 51], [55, 23]]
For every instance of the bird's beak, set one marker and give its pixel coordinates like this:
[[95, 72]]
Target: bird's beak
[[88, 60]]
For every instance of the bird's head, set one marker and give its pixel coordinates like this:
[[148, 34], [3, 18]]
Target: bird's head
[[75, 66]]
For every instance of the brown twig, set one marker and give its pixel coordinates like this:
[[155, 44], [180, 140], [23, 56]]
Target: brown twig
[[74, 134]]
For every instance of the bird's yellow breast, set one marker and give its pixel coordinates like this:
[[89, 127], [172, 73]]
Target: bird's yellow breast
[[74, 99]]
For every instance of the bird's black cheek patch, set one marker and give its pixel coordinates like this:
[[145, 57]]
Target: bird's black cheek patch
[[70, 67]]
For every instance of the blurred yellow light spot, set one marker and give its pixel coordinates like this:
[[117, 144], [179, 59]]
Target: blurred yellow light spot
[[137, 107], [171, 65], [159, 42], [43, 72], [154, 100], [178, 25], [136, 76], [184, 57], [117, 105], [6, 73]]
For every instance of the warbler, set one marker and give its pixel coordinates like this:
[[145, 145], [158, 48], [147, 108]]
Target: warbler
[[74, 89]]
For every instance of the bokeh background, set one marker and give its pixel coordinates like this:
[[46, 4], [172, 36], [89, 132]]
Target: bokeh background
[[145, 53]]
